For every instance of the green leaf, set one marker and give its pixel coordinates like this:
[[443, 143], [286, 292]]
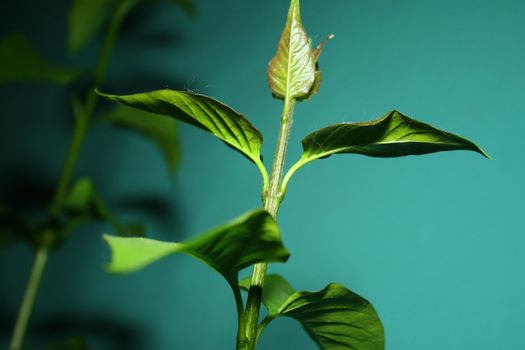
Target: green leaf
[[291, 72], [159, 128], [203, 112], [188, 6], [80, 198], [19, 61], [394, 135], [84, 204], [85, 19], [334, 317], [249, 239]]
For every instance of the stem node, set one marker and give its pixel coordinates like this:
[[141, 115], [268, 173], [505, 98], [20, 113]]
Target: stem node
[[272, 196]]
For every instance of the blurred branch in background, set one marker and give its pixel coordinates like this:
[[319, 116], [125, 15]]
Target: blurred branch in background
[[74, 202]]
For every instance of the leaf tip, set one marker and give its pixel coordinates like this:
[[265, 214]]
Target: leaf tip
[[107, 238], [286, 255], [100, 93], [108, 267], [483, 153], [106, 96]]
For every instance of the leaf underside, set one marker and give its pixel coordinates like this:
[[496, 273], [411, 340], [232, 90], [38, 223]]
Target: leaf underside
[[334, 317], [394, 135], [19, 61], [161, 129], [203, 112], [291, 72], [249, 239], [337, 318]]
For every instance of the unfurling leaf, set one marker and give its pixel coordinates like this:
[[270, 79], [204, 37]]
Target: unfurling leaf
[[247, 240], [84, 204], [85, 19], [19, 61], [334, 317], [319, 49], [318, 75], [394, 135], [161, 129], [203, 112], [291, 72]]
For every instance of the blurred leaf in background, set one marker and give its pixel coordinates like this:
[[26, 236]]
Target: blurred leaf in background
[[85, 20], [160, 129], [20, 61]]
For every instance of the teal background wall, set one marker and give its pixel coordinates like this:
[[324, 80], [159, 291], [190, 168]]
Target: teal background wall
[[436, 243]]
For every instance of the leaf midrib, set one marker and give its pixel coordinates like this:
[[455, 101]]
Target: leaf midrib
[[308, 159], [288, 68]]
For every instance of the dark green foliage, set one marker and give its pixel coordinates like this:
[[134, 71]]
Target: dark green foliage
[[334, 317], [203, 112], [249, 239], [158, 128], [394, 135], [19, 61]]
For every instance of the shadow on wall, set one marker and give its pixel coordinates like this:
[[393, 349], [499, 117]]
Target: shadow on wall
[[38, 130], [108, 331]]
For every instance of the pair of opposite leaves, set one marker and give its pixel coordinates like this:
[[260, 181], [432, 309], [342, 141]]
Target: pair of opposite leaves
[[294, 74], [334, 317]]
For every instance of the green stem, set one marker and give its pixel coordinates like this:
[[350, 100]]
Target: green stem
[[264, 174], [83, 116], [272, 201], [263, 325], [240, 313], [79, 134], [29, 298], [289, 174]]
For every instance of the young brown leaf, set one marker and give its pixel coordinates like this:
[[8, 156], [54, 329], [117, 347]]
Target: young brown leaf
[[291, 72]]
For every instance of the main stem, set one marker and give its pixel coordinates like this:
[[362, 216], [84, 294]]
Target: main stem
[[29, 298], [82, 122], [272, 200]]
